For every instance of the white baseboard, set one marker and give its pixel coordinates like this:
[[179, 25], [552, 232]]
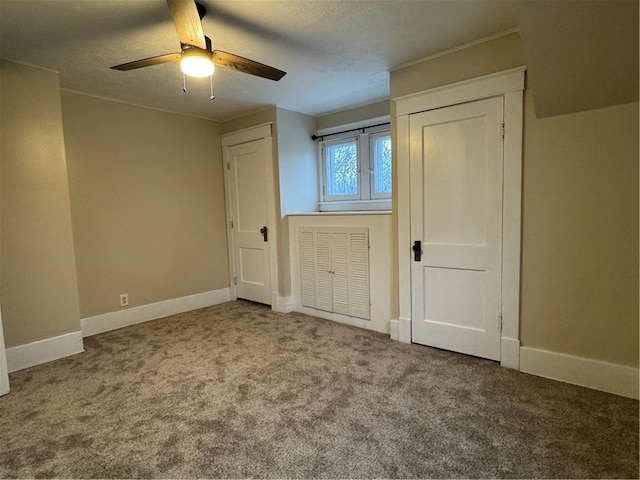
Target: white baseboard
[[510, 353], [605, 376], [393, 329], [404, 330], [284, 304], [43, 351], [4, 369], [131, 316]]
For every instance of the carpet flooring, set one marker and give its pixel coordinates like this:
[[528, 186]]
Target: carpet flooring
[[237, 391]]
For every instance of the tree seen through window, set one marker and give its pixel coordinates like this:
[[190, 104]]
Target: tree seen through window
[[382, 164], [342, 169]]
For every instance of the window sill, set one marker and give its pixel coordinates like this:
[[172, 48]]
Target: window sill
[[356, 206], [341, 213]]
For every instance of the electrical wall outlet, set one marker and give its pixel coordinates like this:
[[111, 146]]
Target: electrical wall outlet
[[124, 300]]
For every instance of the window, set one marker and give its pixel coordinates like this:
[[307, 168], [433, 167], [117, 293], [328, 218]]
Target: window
[[341, 160], [381, 170], [356, 170]]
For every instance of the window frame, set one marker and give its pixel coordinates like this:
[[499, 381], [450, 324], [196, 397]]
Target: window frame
[[372, 171], [366, 198], [325, 186]]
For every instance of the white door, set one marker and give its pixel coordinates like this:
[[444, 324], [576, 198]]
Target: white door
[[456, 158], [248, 200]]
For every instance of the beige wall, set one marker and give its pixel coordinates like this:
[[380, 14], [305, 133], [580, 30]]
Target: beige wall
[[267, 115], [353, 115], [298, 162], [488, 57], [39, 288], [147, 198], [581, 54], [580, 214], [298, 172], [580, 233]]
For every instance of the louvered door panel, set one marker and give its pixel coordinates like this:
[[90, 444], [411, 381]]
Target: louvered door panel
[[307, 268], [324, 294], [340, 269], [359, 273], [334, 270]]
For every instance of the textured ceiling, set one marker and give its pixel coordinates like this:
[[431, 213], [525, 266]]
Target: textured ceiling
[[337, 54]]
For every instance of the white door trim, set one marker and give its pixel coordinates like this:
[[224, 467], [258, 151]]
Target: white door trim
[[492, 85], [246, 135], [4, 369], [231, 139], [510, 85]]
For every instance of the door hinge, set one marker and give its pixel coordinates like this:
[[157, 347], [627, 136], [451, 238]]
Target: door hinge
[[369, 302], [503, 131], [235, 281], [231, 222], [500, 320], [228, 166]]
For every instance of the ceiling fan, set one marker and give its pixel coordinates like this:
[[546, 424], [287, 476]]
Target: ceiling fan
[[197, 59]]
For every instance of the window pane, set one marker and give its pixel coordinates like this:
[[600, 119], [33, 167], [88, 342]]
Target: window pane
[[382, 164], [342, 169]]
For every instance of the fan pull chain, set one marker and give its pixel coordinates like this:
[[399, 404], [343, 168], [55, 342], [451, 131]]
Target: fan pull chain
[[184, 83], [212, 97]]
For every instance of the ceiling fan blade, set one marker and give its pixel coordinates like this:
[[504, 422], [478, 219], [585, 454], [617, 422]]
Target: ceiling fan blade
[[148, 62], [244, 65], [187, 22]]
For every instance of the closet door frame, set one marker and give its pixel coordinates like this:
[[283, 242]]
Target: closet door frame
[[262, 131], [510, 85]]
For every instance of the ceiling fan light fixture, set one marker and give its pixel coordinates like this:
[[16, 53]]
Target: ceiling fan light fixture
[[196, 62]]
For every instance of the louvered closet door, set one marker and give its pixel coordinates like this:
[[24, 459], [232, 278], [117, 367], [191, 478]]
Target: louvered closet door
[[324, 283], [359, 301], [334, 270], [340, 270], [307, 267]]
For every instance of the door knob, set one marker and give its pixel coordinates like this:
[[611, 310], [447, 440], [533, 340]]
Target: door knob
[[263, 231], [417, 250]]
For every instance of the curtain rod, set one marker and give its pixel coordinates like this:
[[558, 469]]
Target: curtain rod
[[361, 129]]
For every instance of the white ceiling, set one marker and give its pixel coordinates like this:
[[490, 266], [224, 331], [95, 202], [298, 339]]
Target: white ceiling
[[337, 54]]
